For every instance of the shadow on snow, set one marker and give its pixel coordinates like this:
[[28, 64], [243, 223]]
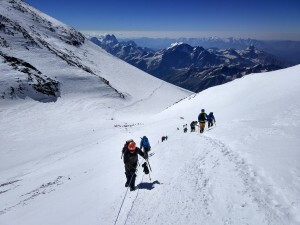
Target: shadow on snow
[[148, 186]]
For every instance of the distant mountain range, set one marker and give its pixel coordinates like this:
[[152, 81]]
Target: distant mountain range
[[288, 51], [193, 68]]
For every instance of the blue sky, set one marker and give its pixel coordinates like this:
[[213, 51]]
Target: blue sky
[[261, 19]]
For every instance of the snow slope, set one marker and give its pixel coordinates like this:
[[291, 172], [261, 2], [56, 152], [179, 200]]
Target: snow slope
[[60, 161], [66, 169]]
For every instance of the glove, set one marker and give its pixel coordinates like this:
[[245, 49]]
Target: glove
[[145, 155]]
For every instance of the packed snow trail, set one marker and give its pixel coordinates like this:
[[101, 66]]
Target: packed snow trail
[[201, 181]]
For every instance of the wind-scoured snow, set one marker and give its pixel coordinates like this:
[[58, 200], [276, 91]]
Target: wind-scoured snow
[[60, 162]]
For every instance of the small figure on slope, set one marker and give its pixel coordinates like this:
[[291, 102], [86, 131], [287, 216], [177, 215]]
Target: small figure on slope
[[185, 128], [211, 119], [193, 126], [202, 119]]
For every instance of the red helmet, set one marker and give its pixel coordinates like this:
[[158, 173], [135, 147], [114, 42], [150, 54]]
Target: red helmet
[[131, 146]]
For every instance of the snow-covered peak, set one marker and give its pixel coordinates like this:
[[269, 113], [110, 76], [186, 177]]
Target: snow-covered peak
[[175, 44], [62, 56], [180, 47], [109, 39]]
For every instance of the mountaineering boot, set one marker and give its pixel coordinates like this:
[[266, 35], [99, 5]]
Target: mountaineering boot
[[132, 188], [127, 183], [132, 184]]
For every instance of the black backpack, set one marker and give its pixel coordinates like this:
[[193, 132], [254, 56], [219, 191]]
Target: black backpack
[[126, 145], [127, 142], [202, 116]]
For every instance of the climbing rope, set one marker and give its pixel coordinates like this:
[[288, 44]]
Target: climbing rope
[[133, 202], [125, 195]]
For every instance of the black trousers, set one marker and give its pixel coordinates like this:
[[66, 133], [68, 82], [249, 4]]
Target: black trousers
[[130, 168]]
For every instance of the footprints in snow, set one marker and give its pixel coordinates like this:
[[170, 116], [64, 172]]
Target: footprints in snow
[[8, 186], [29, 196], [250, 187]]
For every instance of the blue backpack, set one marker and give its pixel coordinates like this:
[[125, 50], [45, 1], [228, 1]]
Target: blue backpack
[[145, 143]]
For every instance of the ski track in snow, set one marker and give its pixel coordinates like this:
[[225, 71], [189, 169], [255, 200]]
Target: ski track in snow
[[215, 186]]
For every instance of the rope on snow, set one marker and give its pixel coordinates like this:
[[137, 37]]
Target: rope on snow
[[125, 196]]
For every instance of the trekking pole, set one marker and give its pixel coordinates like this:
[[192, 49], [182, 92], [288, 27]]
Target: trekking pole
[[149, 164], [149, 177], [146, 160]]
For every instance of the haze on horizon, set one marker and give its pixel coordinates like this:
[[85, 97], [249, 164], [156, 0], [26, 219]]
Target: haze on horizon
[[264, 20]]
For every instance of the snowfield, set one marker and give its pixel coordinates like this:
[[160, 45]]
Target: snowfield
[[60, 155], [60, 162]]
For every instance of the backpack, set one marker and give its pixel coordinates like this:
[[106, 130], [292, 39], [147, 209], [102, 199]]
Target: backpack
[[202, 117], [145, 142], [127, 142], [126, 145]]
